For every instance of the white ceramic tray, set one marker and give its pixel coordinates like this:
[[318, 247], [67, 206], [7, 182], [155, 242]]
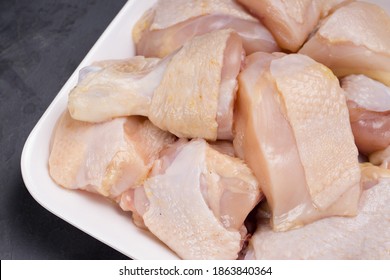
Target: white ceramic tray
[[90, 213]]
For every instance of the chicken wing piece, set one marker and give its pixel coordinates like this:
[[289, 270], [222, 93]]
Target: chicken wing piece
[[106, 158], [366, 236], [355, 39], [190, 93], [292, 129], [196, 200], [170, 23], [369, 108], [291, 21]]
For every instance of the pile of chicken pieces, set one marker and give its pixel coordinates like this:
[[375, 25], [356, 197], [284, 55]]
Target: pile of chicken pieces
[[276, 108]]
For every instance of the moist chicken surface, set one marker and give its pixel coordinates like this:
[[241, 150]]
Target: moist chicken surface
[[106, 158], [366, 236], [196, 200], [369, 109], [292, 129], [190, 93], [160, 31], [290, 22], [355, 39]]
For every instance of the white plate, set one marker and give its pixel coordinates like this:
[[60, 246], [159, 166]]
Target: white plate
[[95, 216]]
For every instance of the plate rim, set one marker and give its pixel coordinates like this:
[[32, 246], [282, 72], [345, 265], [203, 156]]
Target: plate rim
[[26, 157]]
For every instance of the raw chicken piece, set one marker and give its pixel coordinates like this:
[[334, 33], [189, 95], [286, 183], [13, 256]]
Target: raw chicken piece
[[355, 39], [369, 109], [381, 158], [106, 158], [366, 236], [116, 88], [329, 6], [133, 199], [196, 95], [170, 23], [372, 174], [136, 195], [291, 21], [196, 200], [292, 129], [190, 93]]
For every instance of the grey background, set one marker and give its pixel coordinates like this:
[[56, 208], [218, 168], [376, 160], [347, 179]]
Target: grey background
[[41, 44]]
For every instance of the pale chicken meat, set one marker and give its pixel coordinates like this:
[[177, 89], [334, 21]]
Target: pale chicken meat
[[197, 93], [190, 93], [291, 21], [116, 88], [106, 158], [224, 147], [170, 23], [369, 108], [329, 6], [381, 158], [269, 125], [373, 174], [196, 200], [135, 198], [366, 236], [292, 129], [355, 39]]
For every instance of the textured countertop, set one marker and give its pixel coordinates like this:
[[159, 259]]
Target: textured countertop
[[41, 44]]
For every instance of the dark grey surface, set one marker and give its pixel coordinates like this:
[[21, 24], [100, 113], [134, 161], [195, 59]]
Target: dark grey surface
[[41, 44]]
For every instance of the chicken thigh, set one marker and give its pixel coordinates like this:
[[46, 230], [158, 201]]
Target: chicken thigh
[[106, 158], [136, 195], [190, 93], [366, 236], [292, 129], [171, 23], [355, 39], [196, 200]]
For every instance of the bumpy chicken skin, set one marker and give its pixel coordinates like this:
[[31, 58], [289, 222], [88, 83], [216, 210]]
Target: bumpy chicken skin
[[196, 200], [292, 129], [106, 158], [365, 236], [171, 23], [290, 21], [355, 39], [190, 93]]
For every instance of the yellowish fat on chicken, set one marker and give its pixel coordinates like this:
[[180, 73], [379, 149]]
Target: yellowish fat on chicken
[[190, 93], [106, 158]]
